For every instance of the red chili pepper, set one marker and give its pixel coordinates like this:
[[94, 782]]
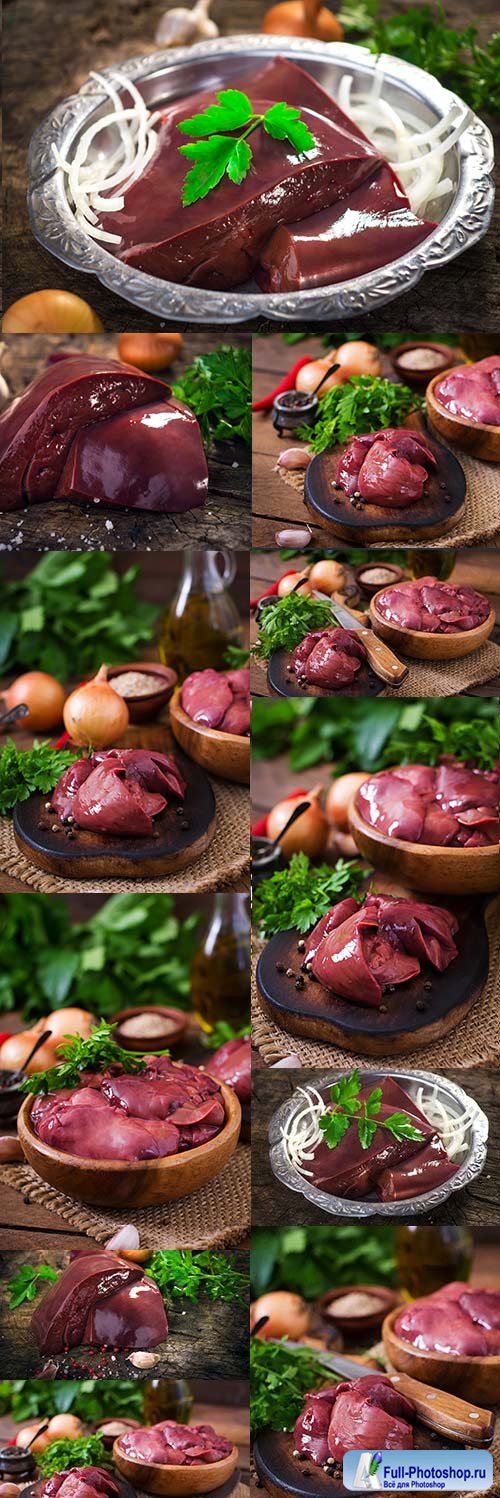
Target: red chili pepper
[[259, 828], [271, 592], [4, 1035], [287, 383]]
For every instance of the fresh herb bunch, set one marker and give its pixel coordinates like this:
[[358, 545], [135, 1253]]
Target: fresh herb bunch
[[421, 35], [23, 771], [71, 612], [235, 657], [223, 1032], [296, 897], [309, 1260], [27, 1282], [135, 947], [216, 155], [84, 1451], [284, 624], [218, 388], [95, 1054], [180, 1273], [24, 1399], [280, 1376], [348, 1108], [370, 735], [364, 404]]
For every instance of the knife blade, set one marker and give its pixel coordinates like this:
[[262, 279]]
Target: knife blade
[[435, 1408], [382, 660]]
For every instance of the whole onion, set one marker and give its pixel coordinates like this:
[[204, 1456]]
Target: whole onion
[[340, 796], [42, 694], [308, 834], [95, 714], [288, 1314]]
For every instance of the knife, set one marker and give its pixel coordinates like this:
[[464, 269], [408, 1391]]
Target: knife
[[382, 660], [435, 1408]]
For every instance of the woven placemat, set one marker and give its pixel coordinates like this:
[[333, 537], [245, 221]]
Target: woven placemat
[[475, 1042], [217, 1215], [481, 518], [223, 866]]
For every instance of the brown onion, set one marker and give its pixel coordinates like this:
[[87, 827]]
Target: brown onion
[[289, 583], [308, 834], [288, 1315], [42, 694], [95, 715], [340, 796]]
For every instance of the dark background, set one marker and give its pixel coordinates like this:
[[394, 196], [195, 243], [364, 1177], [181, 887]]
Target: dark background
[[49, 48]]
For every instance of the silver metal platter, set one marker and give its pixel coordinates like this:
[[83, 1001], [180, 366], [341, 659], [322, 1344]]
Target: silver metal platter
[[165, 76], [454, 1099]]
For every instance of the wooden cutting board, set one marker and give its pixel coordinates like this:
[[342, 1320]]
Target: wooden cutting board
[[177, 840], [284, 1476], [414, 1014], [437, 513], [284, 683]]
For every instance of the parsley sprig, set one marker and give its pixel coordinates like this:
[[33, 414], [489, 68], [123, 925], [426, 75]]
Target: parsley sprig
[[97, 1053], [23, 771], [85, 1451], [365, 403], [284, 624], [179, 1272], [280, 1376], [348, 1108], [217, 155], [27, 1281], [296, 897]]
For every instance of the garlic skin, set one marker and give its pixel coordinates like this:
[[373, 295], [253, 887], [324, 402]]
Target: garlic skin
[[294, 458], [181, 27], [125, 1237], [298, 537], [144, 1359]]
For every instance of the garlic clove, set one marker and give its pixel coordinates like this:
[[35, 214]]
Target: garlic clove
[[144, 1359], [125, 1237], [293, 1060], [181, 27], [294, 457], [298, 537]]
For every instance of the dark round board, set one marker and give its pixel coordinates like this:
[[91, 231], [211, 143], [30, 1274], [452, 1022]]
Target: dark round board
[[97, 855], [415, 1015], [126, 1489], [437, 513], [286, 1476], [284, 683]]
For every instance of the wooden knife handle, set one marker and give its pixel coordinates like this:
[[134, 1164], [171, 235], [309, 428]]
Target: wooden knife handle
[[382, 660], [446, 1413]]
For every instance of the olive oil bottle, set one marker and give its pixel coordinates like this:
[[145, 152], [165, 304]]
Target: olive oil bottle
[[220, 973], [428, 1258], [167, 1399], [202, 619]]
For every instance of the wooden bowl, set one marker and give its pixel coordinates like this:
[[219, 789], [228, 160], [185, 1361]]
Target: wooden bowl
[[425, 646], [459, 871], [476, 437], [179, 1020], [363, 1323], [477, 1379], [132, 1183], [156, 1477], [143, 709], [224, 754]]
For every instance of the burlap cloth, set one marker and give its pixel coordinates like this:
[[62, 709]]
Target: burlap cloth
[[475, 1042], [215, 1216], [440, 678], [224, 865], [480, 521]]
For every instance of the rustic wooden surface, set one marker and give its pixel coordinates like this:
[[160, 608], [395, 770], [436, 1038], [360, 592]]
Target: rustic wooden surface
[[476, 569], [62, 526], [71, 41], [205, 1338], [275, 504], [274, 1205]]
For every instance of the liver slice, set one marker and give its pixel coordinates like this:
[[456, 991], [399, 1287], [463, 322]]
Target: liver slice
[[149, 458]]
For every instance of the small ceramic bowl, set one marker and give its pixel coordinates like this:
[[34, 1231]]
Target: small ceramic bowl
[[366, 1321], [176, 1023], [418, 374], [143, 709]]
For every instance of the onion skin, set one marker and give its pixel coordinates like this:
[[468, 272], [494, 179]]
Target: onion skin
[[327, 575], [288, 583], [340, 796], [289, 1316], [309, 377], [308, 834], [44, 696], [51, 312], [95, 714], [290, 19], [357, 358], [149, 351]]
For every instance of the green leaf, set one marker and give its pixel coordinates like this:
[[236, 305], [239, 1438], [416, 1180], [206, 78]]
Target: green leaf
[[211, 158], [8, 627], [373, 1102], [56, 970], [346, 1092], [239, 161], [399, 1125], [366, 1132], [334, 1126], [27, 1282], [283, 122], [232, 110]]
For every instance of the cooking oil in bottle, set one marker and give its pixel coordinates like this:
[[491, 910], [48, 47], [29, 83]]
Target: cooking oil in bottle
[[220, 973]]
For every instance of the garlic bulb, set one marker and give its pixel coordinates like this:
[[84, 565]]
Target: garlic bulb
[[181, 27]]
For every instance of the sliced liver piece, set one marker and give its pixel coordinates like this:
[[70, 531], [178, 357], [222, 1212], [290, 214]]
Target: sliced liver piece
[[150, 458]]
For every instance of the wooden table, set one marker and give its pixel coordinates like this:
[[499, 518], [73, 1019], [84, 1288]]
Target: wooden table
[[475, 569], [61, 525], [49, 51], [273, 1205], [207, 1337], [219, 1403], [275, 504]]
